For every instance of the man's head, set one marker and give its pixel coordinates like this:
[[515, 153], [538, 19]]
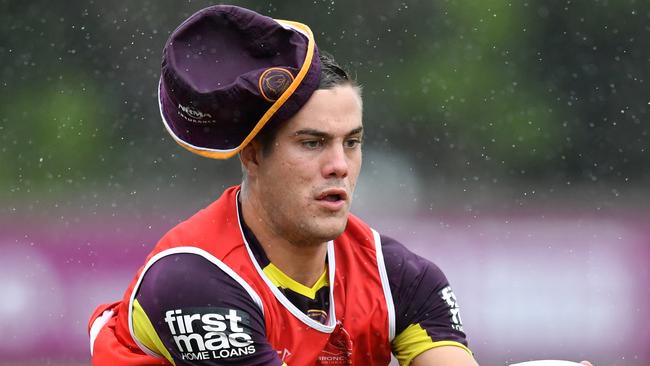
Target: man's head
[[234, 81], [301, 174]]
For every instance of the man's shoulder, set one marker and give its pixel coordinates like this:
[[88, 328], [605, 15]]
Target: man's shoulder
[[191, 278], [177, 271], [394, 249], [212, 211], [201, 226], [403, 265], [422, 297]]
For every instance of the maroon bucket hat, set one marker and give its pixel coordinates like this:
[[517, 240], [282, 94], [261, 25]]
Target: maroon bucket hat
[[227, 72]]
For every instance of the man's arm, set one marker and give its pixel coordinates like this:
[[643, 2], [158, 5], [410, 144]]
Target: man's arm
[[189, 311], [444, 356], [428, 330]]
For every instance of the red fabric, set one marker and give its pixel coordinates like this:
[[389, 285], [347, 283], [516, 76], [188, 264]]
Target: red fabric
[[111, 349], [100, 310], [361, 309]]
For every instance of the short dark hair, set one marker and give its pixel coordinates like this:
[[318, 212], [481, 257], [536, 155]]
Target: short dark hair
[[331, 75]]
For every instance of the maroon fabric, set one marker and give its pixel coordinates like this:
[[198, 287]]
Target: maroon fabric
[[171, 283], [194, 285], [421, 294], [210, 92]]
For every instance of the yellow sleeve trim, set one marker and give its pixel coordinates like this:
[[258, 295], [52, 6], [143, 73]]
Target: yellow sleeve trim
[[414, 340], [280, 279], [146, 334]]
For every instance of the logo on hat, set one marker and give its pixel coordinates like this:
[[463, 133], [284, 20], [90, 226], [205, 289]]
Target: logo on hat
[[273, 82], [194, 115]]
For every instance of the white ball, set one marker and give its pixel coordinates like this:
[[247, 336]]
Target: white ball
[[548, 363]]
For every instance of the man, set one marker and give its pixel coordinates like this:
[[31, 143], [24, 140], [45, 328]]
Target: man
[[276, 271]]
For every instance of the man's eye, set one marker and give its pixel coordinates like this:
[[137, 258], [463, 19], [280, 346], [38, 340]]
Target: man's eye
[[352, 143], [312, 144]]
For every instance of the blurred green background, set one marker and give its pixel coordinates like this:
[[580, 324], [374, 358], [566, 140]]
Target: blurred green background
[[470, 108], [483, 95]]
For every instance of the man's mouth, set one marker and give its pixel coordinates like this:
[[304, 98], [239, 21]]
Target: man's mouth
[[333, 195]]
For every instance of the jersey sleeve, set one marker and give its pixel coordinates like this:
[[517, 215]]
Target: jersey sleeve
[[426, 310], [191, 312]]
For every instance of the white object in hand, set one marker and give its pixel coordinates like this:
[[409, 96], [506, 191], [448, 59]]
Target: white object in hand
[[547, 363]]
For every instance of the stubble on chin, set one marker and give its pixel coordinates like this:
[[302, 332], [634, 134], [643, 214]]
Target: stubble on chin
[[314, 233]]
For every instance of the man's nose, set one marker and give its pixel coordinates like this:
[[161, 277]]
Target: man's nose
[[335, 162]]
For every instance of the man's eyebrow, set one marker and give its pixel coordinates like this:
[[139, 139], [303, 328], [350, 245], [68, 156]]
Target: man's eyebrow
[[356, 131], [325, 135]]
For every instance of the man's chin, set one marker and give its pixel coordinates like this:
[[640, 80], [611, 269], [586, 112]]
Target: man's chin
[[334, 229]]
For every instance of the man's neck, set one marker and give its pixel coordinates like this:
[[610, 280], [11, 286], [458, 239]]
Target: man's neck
[[303, 262]]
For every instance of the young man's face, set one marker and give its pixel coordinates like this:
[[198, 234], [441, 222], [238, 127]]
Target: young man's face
[[307, 180]]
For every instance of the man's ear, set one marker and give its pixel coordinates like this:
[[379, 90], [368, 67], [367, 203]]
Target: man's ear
[[250, 156]]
